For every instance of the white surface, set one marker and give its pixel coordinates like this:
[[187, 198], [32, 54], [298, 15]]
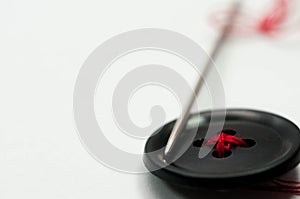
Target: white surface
[[44, 43]]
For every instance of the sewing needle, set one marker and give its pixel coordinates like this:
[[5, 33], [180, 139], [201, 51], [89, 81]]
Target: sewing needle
[[181, 122]]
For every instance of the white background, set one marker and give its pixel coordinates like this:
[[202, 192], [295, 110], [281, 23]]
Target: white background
[[43, 44]]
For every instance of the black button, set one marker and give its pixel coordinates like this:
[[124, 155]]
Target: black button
[[273, 144]]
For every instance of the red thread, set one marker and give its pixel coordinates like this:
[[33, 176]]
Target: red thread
[[287, 181], [274, 18], [287, 186], [284, 186], [225, 142], [277, 188], [273, 21]]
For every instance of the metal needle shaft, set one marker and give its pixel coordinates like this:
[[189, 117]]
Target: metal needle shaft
[[181, 122]]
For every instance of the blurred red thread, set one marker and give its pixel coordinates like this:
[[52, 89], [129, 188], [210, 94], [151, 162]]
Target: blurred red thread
[[287, 181], [273, 21], [274, 18], [280, 185]]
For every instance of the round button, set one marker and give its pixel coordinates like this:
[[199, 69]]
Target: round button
[[268, 147]]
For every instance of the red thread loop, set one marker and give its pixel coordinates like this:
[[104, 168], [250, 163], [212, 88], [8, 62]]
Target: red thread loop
[[225, 142]]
